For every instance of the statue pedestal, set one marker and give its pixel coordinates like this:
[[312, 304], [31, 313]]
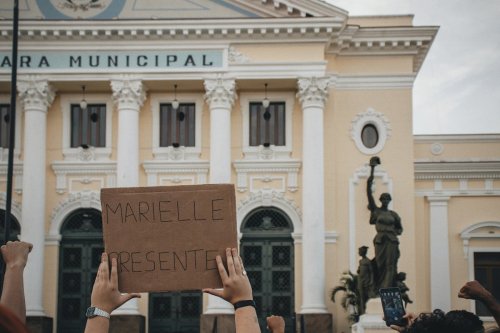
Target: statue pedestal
[[371, 321]]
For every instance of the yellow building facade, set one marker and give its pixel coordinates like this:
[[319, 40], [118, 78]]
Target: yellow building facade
[[174, 95]]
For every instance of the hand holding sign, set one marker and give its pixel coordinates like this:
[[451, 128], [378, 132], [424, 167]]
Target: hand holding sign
[[235, 281]]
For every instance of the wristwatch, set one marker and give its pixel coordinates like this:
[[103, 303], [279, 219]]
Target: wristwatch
[[94, 312]]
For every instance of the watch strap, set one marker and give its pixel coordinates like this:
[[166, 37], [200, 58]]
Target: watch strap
[[241, 304], [94, 312]]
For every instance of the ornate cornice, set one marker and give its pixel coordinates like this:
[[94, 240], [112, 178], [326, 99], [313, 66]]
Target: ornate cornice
[[415, 41], [248, 29], [457, 170]]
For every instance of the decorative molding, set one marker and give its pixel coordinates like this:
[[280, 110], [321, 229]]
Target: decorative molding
[[369, 82], [17, 175], [236, 57], [482, 230], [458, 138], [245, 29], [220, 92], [331, 237], [74, 201], [35, 92], [84, 172], [128, 92], [437, 148], [457, 170], [313, 92], [177, 171], [272, 152], [271, 198], [15, 208], [381, 123], [263, 169]]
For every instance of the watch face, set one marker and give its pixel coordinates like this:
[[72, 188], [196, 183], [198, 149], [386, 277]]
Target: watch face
[[91, 312]]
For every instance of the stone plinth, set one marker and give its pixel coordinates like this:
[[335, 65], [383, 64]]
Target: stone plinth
[[217, 323], [371, 321], [315, 322]]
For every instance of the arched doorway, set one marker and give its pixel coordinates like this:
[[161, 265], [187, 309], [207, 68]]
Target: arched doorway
[[268, 254], [79, 258]]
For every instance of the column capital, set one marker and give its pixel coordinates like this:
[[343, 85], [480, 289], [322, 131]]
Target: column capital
[[220, 92], [313, 91], [35, 93], [128, 92]]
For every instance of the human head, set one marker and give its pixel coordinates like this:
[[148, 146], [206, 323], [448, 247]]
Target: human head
[[456, 321], [363, 250], [385, 198]]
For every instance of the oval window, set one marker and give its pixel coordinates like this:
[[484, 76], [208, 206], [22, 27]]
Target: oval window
[[369, 136]]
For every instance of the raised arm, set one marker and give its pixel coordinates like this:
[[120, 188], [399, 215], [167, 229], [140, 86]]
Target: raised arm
[[105, 296], [15, 255], [474, 290], [237, 291], [371, 202]]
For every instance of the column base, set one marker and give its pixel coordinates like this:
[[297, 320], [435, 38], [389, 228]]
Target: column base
[[315, 322], [371, 321], [217, 323], [127, 323], [39, 324]]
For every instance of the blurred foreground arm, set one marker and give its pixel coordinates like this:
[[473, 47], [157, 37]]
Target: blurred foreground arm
[[275, 324], [236, 289], [474, 290], [15, 255]]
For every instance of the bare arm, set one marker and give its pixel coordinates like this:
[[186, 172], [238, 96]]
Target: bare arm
[[15, 255], [105, 295], [474, 290], [236, 288], [371, 202]]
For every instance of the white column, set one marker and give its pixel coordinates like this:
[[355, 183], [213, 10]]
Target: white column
[[312, 95], [220, 96], [128, 95], [36, 95], [439, 253]]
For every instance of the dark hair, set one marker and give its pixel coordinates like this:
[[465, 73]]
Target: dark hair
[[457, 321]]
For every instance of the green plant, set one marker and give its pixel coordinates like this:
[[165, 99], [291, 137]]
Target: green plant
[[350, 299]]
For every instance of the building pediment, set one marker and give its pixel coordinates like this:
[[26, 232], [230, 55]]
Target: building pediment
[[169, 10]]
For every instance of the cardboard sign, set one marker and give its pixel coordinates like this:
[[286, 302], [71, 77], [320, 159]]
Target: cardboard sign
[[166, 238]]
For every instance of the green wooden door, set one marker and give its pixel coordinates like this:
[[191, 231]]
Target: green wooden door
[[14, 231], [175, 312], [79, 258], [268, 255]]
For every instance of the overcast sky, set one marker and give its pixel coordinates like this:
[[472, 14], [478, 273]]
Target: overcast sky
[[457, 90]]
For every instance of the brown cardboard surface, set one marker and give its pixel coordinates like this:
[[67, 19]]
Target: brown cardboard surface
[[166, 238]]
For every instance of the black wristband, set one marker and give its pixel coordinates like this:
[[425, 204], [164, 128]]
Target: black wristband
[[241, 304]]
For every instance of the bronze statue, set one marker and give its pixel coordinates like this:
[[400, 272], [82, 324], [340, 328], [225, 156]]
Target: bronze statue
[[388, 226], [365, 283]]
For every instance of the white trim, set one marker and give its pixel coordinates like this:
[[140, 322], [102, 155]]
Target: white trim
[[175, 172], [278, 152], [181, 153], [369, 82], [474, 231], [15, 208], [270, 199], [88, 199], [76, 154], [381, 123]]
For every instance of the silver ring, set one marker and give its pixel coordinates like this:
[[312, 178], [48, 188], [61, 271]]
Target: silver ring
[[245, 273]]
